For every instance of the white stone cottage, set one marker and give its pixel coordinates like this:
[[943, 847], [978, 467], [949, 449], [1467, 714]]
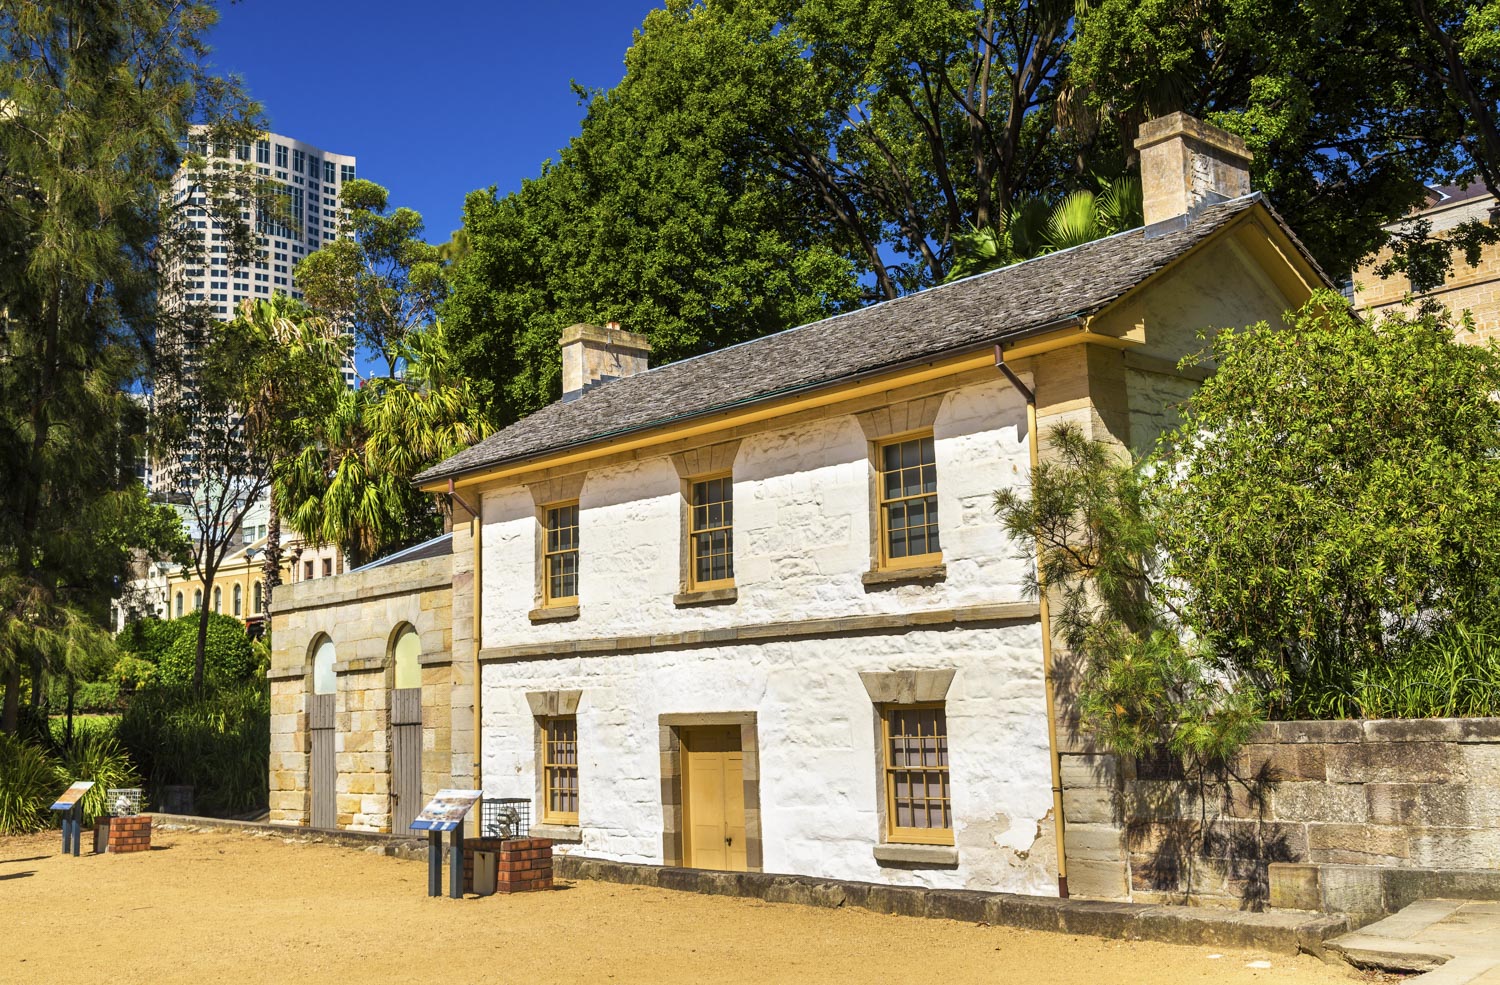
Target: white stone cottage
[[753, 610]]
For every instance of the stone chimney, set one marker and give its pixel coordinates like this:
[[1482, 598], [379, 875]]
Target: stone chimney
[[593, 355], [1185, 165]]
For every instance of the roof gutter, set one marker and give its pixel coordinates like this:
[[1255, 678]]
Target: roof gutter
[[450, 478]]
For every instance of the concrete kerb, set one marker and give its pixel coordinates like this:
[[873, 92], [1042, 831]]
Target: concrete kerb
[[1275, 932], [1278, 932]]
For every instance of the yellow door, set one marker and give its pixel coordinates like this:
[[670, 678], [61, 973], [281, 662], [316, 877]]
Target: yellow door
[[714, 794]]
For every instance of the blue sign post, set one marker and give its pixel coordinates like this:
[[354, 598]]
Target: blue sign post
[[70, 805], [445, 812]]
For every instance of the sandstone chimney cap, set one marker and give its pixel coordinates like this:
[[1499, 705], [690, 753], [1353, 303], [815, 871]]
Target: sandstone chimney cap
[[611, 335], [1161, 128]]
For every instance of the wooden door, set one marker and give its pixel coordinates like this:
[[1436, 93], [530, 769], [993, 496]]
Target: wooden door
[[713, 777], [322, 769], [406, 757]]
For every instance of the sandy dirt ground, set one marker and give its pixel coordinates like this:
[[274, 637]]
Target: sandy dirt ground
[[224, 909]]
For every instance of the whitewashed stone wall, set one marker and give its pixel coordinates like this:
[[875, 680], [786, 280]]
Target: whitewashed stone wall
[[802, 542], [816, 733], [801, 537]]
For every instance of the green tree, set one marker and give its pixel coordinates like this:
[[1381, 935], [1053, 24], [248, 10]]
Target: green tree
[[1330, 496], [296, 359], [352, 484], [659, 215], [1032, 227], [1144, 685], [379, 278], [1348, 108], [257, 384], [97, 99]]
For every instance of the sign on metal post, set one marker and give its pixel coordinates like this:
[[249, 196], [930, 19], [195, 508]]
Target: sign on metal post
[[445, 812], [70, 805]]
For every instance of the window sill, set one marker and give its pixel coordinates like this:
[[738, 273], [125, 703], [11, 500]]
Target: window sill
[[917, 856], [709, 596], [884, 577], [553, 613], [568, 834]]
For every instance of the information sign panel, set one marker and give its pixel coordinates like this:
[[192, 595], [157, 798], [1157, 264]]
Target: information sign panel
[[446, 810], [72, 795]]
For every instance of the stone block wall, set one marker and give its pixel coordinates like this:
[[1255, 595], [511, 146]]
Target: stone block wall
[[360, 612], [1412, 795]]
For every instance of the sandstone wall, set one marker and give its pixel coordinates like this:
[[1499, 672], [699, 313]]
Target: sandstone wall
[[1376, 794], [360, 612]]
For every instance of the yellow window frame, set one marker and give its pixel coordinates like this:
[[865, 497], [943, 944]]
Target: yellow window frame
[[694, 530], [558, 737], [904, 502], [556, 548], [938, 770]]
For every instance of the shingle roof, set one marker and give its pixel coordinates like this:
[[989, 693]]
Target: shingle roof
[[976, 311]]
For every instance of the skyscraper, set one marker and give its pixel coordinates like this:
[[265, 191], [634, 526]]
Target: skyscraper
[[309, 180]]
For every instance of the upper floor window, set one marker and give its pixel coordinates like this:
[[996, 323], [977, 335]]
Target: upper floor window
[[239, 600], [712, 532], [256, 598], [327, 566], [218, 599], [179, 605], [197, 599], [263, 152], [281, 157], [908, 503], [560, 556], [307, 570]]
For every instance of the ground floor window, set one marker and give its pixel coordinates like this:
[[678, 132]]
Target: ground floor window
[[915, 754], [559, 737]]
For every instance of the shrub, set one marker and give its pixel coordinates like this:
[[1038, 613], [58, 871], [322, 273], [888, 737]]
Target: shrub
[[217, 742], [100, 758], [29, 783], [148, 639], [132, 673], [1452, 673], [84, 726], [228, 657]]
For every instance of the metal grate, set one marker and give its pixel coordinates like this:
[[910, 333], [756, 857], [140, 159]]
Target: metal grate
[[504, 817], [122, 801]]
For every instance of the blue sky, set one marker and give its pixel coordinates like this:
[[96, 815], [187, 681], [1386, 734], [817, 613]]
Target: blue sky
[[436, 99]]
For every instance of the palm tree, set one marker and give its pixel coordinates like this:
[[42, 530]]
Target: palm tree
[[1034, 227], [310, 351], [352, 486]]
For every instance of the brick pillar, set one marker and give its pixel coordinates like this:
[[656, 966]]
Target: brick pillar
[[130, 834], [525, 864]]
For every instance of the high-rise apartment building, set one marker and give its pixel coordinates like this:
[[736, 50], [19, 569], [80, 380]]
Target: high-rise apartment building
[[306, 217]]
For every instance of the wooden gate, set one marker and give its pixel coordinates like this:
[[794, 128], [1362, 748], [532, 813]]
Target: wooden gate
[[406, 757], [322, 772]]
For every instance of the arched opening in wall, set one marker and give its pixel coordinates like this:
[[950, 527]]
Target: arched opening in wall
[[179, 605], [218, 599], [322, 779], [239, 601], [197, 599], [255, 599], [406, 726]]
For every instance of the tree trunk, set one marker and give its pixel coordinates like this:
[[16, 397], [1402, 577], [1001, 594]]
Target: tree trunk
[[271, 567], [208, 586], [10, 718]]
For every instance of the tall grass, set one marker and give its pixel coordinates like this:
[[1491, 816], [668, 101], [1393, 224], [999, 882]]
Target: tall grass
[[1453, 673], [29, 783], [102, 759], [219, 743]]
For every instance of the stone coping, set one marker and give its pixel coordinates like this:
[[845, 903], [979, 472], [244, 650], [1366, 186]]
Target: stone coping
[[758, 632], [400, 846], [403, 578], [1381, 730], [1280, 932]]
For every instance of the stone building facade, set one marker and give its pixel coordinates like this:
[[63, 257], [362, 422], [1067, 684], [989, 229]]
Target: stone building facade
[[1472, 289], [754, 610], [361, 662]]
